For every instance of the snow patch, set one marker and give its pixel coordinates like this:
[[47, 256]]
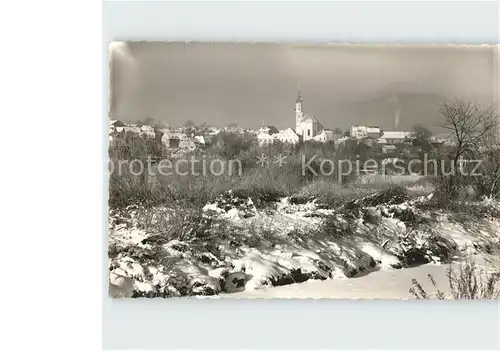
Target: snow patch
[[380, 255]]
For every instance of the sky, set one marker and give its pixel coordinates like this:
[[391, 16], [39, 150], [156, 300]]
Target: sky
[[255, 84]]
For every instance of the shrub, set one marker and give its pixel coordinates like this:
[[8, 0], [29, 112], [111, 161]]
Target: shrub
[[332, 226], [260, 195], [468, 282], [471, 283], [230, 145], [127, 189], [184, 224], [393, 195]]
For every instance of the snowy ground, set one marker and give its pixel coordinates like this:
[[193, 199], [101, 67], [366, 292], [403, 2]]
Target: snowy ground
[[285, 250], [376, 284]]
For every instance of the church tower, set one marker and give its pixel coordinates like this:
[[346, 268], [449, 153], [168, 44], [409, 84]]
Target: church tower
[[299, 114]]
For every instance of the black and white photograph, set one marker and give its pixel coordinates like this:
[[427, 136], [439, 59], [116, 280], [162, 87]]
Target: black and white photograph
[[298, 170]]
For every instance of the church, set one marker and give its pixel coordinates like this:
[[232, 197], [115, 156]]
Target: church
[[306, 127]]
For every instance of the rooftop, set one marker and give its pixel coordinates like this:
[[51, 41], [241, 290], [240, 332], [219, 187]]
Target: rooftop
[[394, 135]]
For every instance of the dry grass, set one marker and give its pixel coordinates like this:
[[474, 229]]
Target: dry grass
[[289, 178], [468, 282]]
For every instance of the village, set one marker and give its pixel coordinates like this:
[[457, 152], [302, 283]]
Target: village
[[190, 138]]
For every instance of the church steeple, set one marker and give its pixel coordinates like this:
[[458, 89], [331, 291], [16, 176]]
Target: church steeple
[[299, 114], [299, 98], [298, 105]]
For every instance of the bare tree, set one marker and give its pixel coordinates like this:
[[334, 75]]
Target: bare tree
[[470, 126], [473, 136], [491, 167]]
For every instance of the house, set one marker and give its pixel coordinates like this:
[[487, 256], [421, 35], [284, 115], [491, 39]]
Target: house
[[173, 139], [268, 130], [388, 149], [362, 132], [393, 138], [265, 139], [131, 129], [187, 144], [440, 139], [358, 132], [116, 123], [287, 136], [397, 137], [326, 136], [237, 130], [174, 135], [147, 129], [306, 127], [267, 135], [410, 137], [199, 139], [373, 132]]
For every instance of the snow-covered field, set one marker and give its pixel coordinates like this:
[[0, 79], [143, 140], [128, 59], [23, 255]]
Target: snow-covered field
[[365, 248], [378, 284]]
